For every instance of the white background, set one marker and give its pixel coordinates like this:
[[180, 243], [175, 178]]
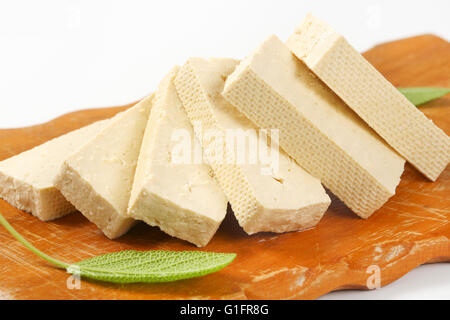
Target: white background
[[60, 56]]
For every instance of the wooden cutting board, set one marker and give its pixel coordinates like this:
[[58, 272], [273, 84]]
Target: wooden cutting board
[[411, 229]]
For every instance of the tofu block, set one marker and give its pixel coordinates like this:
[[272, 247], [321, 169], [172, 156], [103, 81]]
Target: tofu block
[[26, 180], [182, 198], [371, 96], [275, 90], [280, 200], [97, 179]]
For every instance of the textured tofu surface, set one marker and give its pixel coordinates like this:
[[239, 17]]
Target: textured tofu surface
[[275, 90], [97, 179], [26, 180], [371, 96], [291, 200], [182, 198]]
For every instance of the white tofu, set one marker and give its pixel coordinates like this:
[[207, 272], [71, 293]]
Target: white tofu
[[97, 179], [26, 180], [180, 197], [287, 201], [275, 90], [371, 96]]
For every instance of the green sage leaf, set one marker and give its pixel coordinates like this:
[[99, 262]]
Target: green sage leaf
[[138, 266], [421, 95], [151, 266]]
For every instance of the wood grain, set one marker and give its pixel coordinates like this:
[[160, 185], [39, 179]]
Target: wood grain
[[411, 229]]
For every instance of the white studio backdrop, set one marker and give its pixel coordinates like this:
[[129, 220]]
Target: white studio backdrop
[[59, 56], [65, 55]]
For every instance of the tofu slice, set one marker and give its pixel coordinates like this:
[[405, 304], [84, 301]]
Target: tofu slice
[[26, 180], [97, 179], [371, 96], [275, 90], [180, 197], [287, 201]]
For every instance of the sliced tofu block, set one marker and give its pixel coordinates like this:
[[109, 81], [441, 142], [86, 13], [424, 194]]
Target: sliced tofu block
[[97, 179], [371, 96], [180, 197], [288, 199], [26, 180], [275, 90]]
